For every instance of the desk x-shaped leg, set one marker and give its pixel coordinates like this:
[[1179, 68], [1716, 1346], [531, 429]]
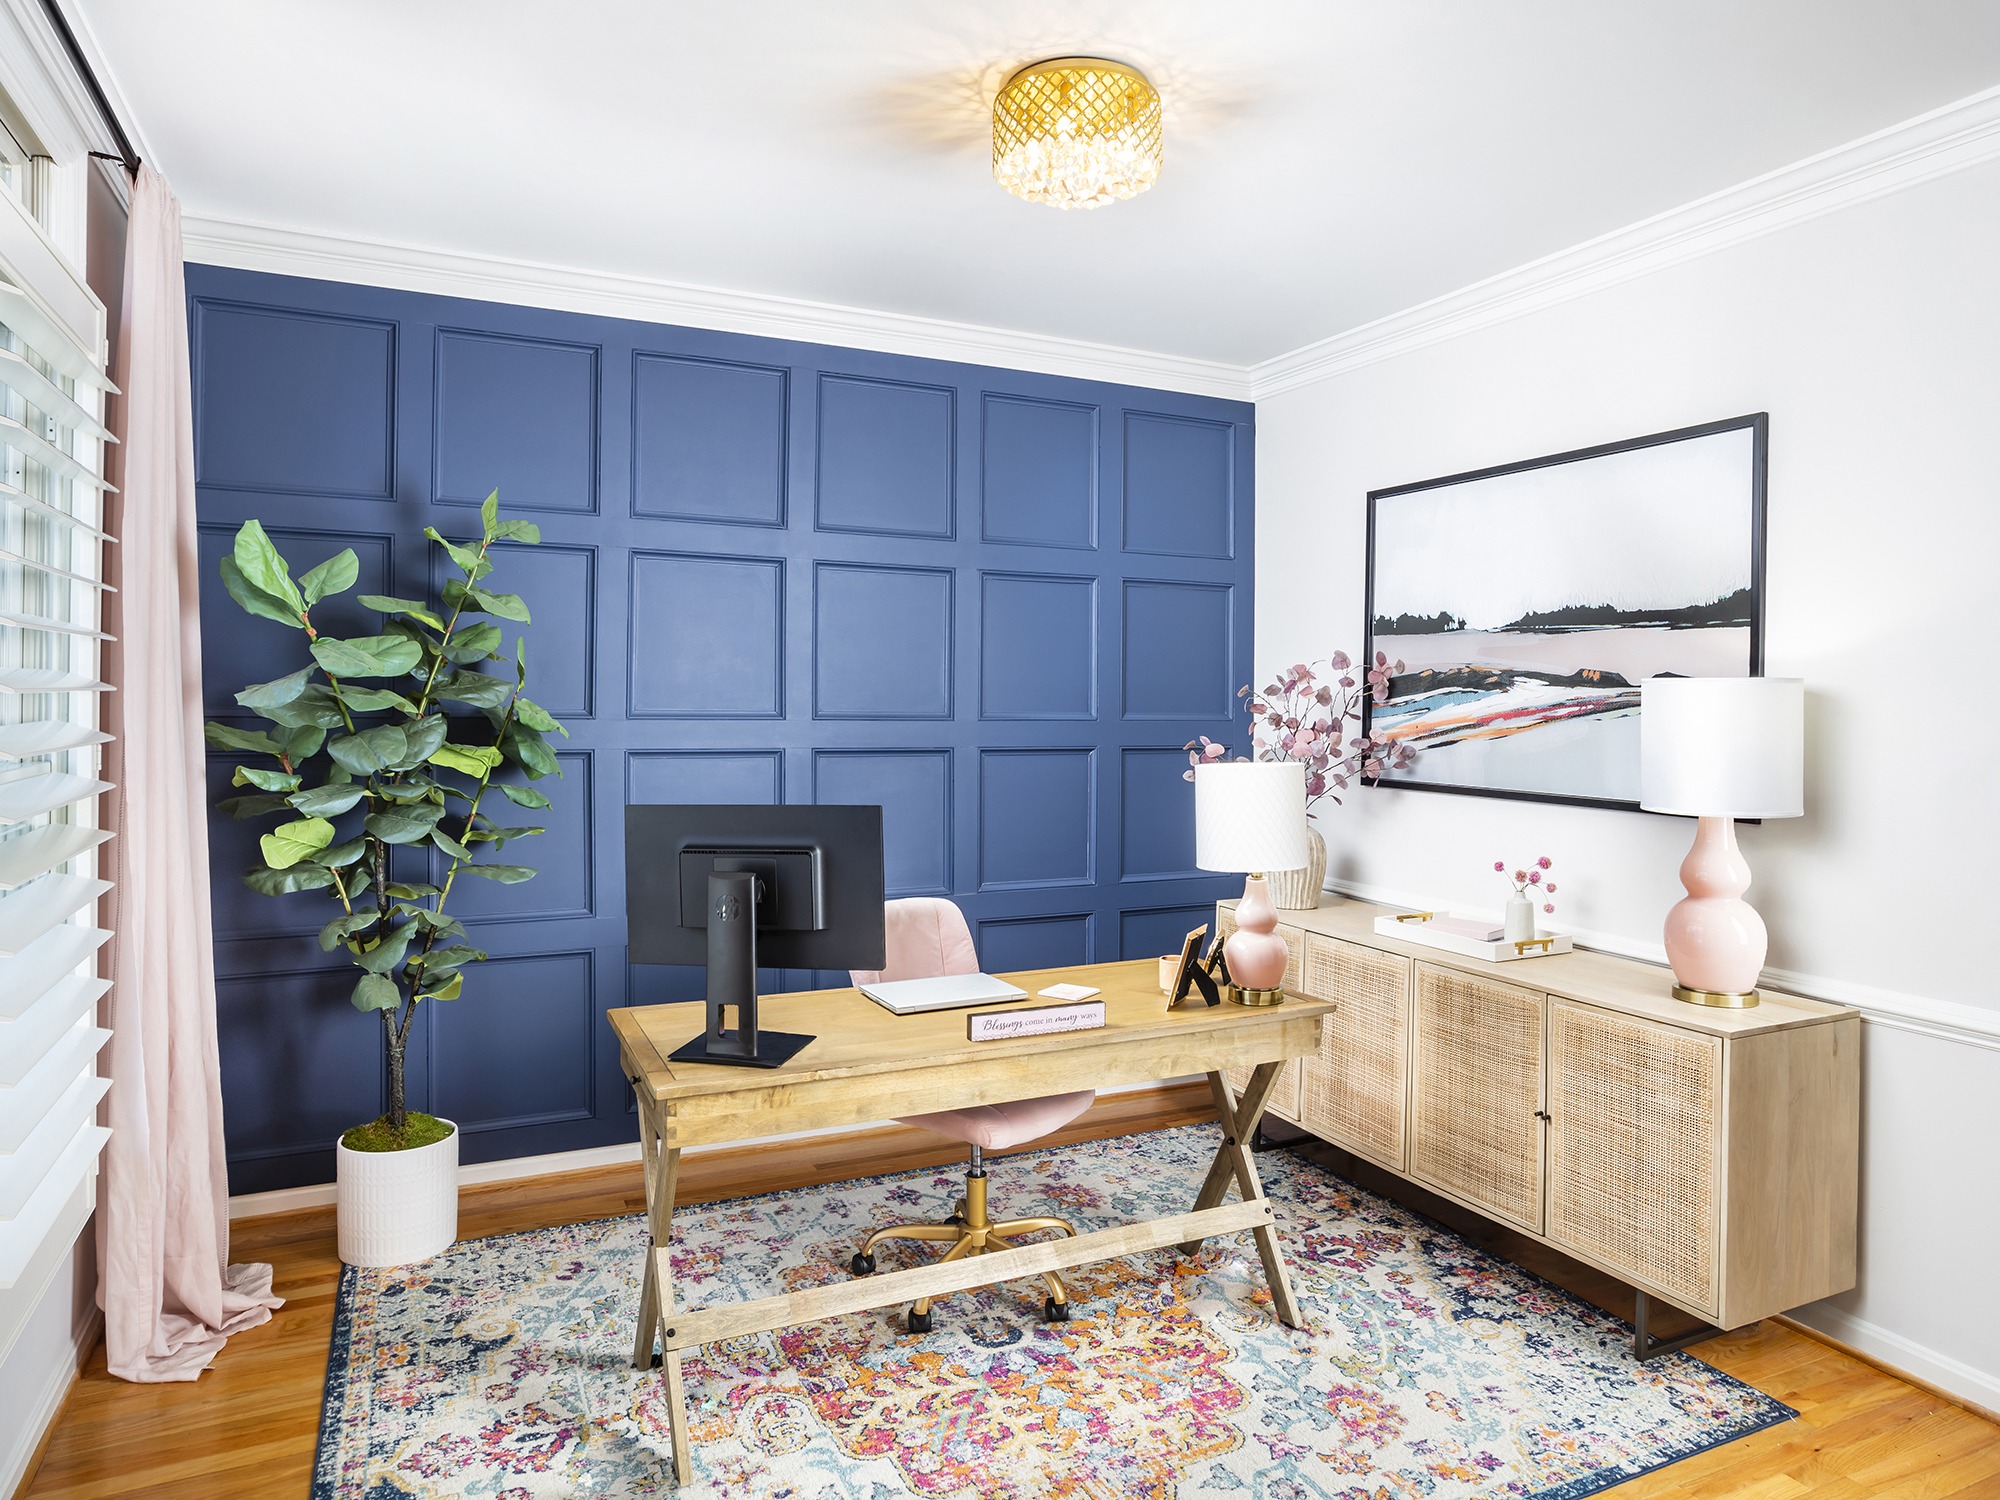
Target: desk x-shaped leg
[[656, 1290], [1238, 1118]]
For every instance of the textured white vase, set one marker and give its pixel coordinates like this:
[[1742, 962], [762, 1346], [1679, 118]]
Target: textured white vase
[[397, 1207], [1299, 890], [1520, 920]]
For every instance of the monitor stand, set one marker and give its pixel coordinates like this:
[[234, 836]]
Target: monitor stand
[[732, 984]]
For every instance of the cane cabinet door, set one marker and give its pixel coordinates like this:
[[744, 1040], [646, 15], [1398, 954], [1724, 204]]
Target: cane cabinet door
[[1354, 1092], [1476, 1094], [1635, 1148]]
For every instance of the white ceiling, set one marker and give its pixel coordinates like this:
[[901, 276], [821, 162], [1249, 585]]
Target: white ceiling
[[1328, 162]]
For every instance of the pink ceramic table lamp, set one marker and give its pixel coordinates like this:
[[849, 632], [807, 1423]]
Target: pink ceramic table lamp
[[1720, 748], [1249, 817]]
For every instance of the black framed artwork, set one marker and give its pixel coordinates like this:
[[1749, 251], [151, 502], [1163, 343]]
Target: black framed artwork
[[1528, 603]]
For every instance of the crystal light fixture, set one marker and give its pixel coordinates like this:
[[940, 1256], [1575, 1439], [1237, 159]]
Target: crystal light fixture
[[1076, 132]]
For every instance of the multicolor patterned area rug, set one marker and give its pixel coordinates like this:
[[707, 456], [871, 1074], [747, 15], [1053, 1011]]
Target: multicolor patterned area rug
[[501, 1368]]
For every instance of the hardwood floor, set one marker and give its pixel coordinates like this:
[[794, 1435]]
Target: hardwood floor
[[247, 1427]]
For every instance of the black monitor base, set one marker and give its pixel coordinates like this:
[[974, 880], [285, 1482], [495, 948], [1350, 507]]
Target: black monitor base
[[774, 1050]]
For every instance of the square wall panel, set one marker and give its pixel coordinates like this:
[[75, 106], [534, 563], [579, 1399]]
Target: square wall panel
[[1038, 472], [913, 789], [706, 637], [560, 857], [299, 1063], [881, 642], [518, 1047], [239, 649], [1007, 945], [708, 440], [293, 403], [1179, 486], [710, 777], [517, 415], [885, 457], [1155, 815], [1158, 930], [1035, 818], [1037, 646], [559, 586], [1178, 646]]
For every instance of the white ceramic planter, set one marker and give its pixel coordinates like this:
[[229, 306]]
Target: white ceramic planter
[[397, 1207]]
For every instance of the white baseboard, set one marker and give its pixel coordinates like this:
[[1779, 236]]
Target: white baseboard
[[520, 1168], [48, 1403], [1979, 1387]]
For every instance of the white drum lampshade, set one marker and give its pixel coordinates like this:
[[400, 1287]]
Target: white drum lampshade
[[1718, 749], [1250, 816]]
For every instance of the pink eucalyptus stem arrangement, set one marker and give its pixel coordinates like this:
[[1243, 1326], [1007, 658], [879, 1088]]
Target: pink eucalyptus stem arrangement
[[1305, 713], [1533, 879]]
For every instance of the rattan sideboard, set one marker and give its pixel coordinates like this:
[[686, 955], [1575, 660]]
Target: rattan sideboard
[[1707, 1158]]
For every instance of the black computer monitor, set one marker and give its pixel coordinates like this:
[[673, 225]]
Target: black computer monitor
[[731, 887]]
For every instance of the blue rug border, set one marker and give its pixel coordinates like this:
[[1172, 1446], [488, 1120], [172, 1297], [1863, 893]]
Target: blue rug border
[[1775, 1414]]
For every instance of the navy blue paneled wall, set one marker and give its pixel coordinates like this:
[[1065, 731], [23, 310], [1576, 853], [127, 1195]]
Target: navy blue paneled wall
[[995, 603]]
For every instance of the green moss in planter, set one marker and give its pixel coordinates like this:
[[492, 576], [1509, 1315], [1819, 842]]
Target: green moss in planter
[[378, 1135]]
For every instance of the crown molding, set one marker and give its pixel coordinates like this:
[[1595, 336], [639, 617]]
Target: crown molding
[[293, 252], [1949, 139]]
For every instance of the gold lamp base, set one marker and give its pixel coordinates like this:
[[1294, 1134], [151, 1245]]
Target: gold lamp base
[[1236, 994], [1720, 999]]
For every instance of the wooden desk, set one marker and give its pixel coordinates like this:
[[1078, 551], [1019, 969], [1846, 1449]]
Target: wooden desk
[[867, 1065]]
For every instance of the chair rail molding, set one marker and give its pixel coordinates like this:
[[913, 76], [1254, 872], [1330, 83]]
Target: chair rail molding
[[1949, 139], [244, 246]]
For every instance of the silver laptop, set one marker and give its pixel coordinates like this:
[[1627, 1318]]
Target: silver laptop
[[907, 997]]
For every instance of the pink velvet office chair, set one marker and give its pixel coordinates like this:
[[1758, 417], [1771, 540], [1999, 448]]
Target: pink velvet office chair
[[927, 936]]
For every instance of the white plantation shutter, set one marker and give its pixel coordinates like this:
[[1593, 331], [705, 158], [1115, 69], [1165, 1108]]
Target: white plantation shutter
[[51, 604]]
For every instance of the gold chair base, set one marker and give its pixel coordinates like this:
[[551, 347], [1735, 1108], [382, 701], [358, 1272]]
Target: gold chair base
[[970, 1232], [1731, 1000]]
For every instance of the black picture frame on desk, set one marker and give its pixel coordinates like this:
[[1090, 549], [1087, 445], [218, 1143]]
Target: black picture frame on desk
[[1529, 601]]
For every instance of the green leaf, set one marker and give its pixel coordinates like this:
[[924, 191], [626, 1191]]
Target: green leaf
[[326, 801], [303, 742], [370, 750], [288, 843], [354, 921], [416, 892], [316, 706], [264, 781], [505, 874], [531, 755], [449, 844], [472, 643], [524, 796], [334, 576], [383, 957], [277, 692], [489, 512], [468, 558], [263, 567], [507, 606], [365, 700], [389, 604], [403, 825], [284, 882], [252, 807], [367, 656], [222, 737], [255, 600], [536, 717], [447, 958], [473, 760], [450, 989], [375, 992], [340, 856], [517, 531], [501, 835], [423, 737], [475, 688]]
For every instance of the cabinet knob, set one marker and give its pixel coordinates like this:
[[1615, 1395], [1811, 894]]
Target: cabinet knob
[[1542, 1114]]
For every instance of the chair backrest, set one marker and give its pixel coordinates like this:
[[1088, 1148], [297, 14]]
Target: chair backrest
[[927, 936]]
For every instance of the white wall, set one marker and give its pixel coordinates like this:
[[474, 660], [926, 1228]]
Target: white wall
[[1872, 337]]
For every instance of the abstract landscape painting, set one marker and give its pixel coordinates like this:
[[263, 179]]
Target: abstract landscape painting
[[1528, 603]]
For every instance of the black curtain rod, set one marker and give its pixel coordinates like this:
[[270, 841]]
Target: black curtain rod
[[124, 142]]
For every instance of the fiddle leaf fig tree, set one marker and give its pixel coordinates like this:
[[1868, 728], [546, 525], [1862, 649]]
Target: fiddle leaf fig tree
[[384, 740]]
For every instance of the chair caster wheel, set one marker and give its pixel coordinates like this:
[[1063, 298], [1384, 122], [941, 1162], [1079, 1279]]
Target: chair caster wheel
[[862, 1264], [1054, 1311], [920, 1322]]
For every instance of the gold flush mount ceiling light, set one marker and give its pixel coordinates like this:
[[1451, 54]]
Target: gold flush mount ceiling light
[[1076, 132]]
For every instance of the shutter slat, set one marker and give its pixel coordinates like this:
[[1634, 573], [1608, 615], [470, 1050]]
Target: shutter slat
[[42, 507], [46, 737], [50, 680], [43, 393], [49, 339], [23, 856], [23, 1105], [28, 797], [38, 968], [55, 572], [41, 905], [23, 1235], [25, 1042], [31, 444], [25, 1170], [52, 624]]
